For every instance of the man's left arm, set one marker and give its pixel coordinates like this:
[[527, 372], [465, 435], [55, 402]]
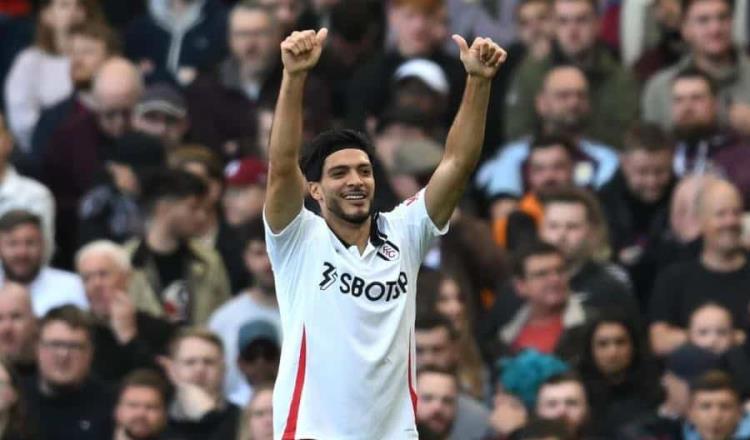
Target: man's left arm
[[464, 143]]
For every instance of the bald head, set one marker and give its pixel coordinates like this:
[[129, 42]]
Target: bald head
[[720, 214], [17, 323], [117, 87], [563, 101]]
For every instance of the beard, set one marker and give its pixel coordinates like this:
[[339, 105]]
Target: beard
[[133, 436], [692, 133], [18, 277], [356, 219], [568, 124]]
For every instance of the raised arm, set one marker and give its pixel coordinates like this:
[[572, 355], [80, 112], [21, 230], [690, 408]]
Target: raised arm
[[285, 191], [465, 138]]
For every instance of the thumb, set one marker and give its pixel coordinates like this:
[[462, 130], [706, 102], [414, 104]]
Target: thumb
[[462, 45], [322, 35]]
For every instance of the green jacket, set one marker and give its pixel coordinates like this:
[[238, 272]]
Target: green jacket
[[613, 94], [207, 281]]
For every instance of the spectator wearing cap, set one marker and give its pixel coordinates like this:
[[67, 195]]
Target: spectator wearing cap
[[91, 44], [80, 148], [421, 84], [245, 190], [412, 24], [259, 348], [109, 210], [681, 368], [162, 113], [257, 301], [173, 41], [214, 232], [223, 102]]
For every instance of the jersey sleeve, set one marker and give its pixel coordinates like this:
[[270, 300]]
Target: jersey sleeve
[[418, 227], [284, 248]]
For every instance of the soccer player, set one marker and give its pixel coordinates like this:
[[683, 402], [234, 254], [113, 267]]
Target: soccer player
[[346, 280]]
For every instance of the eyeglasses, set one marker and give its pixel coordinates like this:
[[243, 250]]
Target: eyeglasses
[[75, 347]]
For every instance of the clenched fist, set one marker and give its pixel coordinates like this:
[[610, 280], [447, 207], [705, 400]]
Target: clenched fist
[[483, 58], [300, 51]]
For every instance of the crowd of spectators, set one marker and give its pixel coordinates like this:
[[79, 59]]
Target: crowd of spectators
[[594, 282]]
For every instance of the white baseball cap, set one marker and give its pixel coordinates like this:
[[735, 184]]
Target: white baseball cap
[[429, 72]]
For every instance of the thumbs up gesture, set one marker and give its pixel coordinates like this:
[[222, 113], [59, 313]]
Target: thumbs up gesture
[[483, 58], [300, 51]]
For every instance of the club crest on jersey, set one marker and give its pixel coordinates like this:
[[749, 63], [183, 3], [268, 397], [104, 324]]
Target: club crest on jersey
[[388, 251]]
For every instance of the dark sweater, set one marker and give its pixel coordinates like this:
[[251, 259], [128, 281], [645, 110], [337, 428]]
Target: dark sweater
[[216, 425], [113, 361], [81, 414]]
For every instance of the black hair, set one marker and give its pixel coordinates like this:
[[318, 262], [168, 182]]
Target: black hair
[[431, 321], [170, 185], [546, 141], [695, 73], [327, 143], [714, 380], [532, 249], [545, 428], [252, 231]]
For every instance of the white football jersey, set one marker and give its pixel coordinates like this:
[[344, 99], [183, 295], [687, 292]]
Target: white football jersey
[[347, 363]]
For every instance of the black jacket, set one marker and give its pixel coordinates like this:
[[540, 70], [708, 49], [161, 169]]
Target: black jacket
[[113, 361], [81, 414]]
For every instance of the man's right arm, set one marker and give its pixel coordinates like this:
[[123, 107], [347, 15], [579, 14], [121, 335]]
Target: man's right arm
[[285, 191]]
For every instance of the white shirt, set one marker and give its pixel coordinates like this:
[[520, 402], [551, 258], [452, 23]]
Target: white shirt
[[19, 192], [226, 322], [36, 80], [347, 362], [53, 288]]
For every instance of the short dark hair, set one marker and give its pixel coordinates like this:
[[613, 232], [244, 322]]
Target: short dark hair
[[70, 315], [646, 136], [542, 142], [545, 428], [18, 217], [533, 249], [252, 231], [687, 4], [695, 73], [144, 378], [98, 30], [522, 3], [327, 143], [714, 380], [431, 321], [171, 185]]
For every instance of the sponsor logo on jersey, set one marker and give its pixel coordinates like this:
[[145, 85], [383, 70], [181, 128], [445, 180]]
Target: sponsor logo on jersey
[[358, 287]]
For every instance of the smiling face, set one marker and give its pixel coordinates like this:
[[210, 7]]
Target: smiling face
[[346, 187]]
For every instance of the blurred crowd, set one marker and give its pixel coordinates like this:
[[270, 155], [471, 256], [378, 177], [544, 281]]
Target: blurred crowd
[[594, 283]]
